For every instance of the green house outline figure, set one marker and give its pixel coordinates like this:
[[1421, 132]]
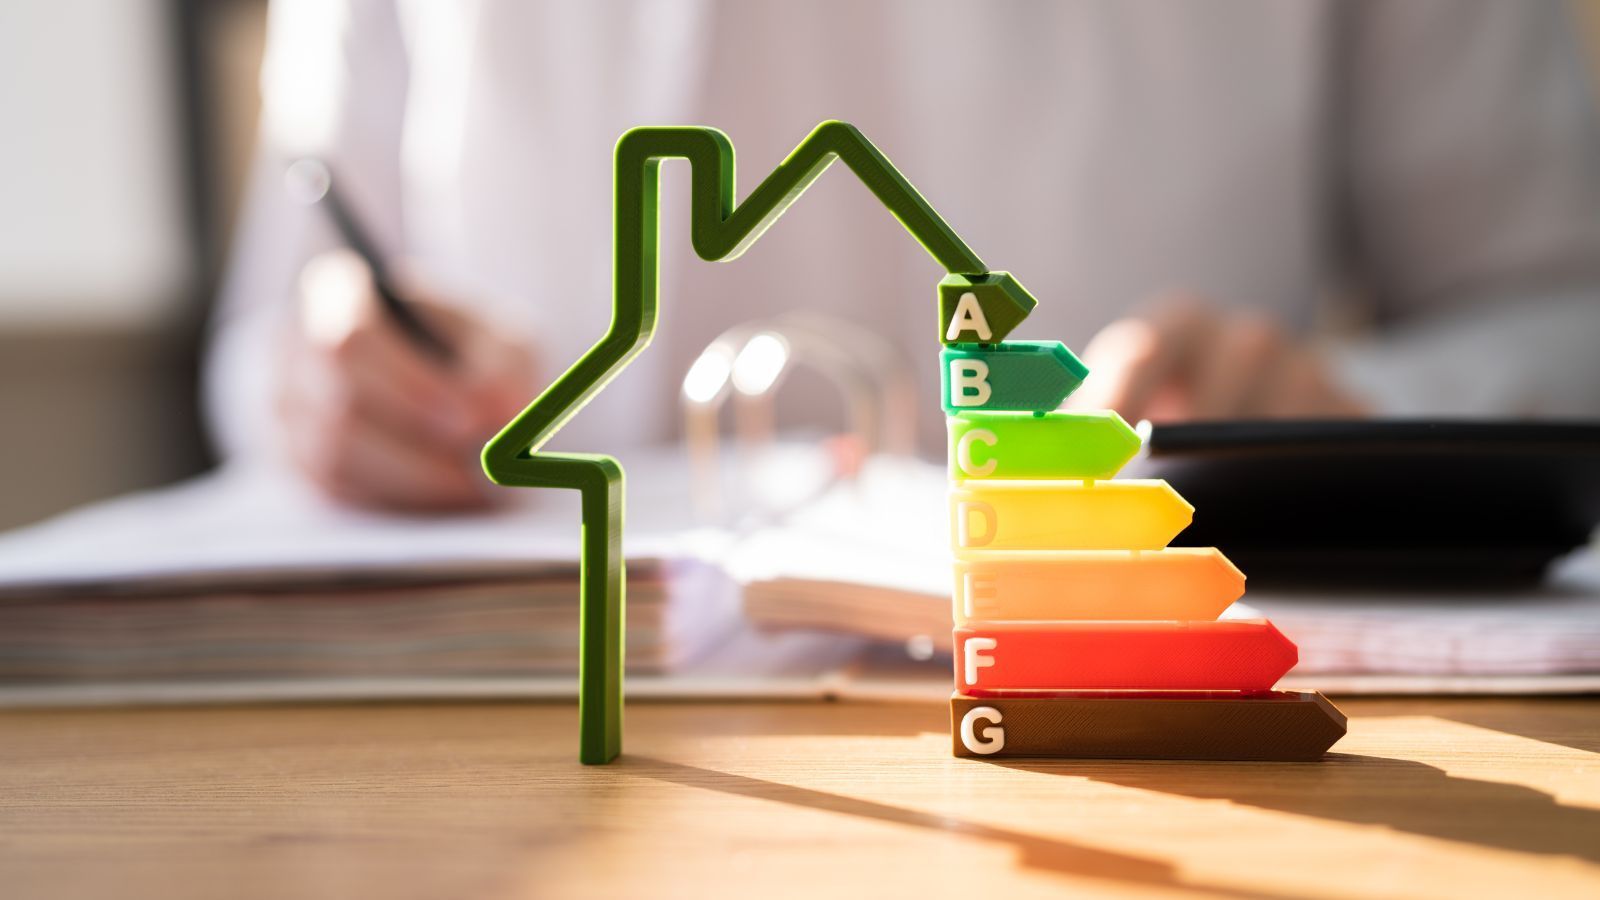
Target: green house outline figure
[[719, 232]]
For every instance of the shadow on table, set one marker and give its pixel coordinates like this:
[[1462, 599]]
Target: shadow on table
[[1366, 790], [1034, 851], [1401, 794]]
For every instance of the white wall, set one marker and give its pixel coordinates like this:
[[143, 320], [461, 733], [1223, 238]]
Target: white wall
[[91, 197]]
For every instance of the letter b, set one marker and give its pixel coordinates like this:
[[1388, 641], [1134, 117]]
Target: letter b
[[969, 383]]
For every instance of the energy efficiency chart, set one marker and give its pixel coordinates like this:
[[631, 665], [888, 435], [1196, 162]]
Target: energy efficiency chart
[[1027, 480], [1078, 631]]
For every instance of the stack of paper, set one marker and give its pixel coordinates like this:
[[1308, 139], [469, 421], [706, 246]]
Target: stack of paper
[[241, 575]]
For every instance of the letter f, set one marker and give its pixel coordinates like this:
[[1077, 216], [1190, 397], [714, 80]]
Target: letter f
[[975, 658]]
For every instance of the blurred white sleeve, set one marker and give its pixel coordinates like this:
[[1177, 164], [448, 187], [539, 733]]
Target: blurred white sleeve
[[1472, 182], [1530, 358], [333, 84]]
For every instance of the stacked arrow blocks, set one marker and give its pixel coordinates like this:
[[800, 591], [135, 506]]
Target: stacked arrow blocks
[[1078, 632]]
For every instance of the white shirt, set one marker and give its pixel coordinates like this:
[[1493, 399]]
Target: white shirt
[[1439, 159]]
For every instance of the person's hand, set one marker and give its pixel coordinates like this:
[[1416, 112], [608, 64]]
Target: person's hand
[[1186, 359], [375, 420]]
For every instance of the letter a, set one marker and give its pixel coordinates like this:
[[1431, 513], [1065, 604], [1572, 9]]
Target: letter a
[[968, 317]]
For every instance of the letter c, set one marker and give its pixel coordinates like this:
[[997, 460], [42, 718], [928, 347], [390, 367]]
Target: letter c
[[964, 452]]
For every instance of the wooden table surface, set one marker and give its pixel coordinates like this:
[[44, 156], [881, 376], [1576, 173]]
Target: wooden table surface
[[1442, 798]]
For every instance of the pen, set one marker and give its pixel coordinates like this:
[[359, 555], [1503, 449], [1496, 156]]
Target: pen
[[311, 182]]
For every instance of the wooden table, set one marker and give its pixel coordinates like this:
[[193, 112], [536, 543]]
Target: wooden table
[[1444, 798]]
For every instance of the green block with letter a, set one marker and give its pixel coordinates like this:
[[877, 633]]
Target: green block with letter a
[[981, 309]]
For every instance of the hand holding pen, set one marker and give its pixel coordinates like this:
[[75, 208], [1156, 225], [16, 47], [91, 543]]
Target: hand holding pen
[[387, 390]]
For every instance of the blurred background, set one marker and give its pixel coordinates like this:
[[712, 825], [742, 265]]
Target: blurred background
[[1343, 255], [128, 133]]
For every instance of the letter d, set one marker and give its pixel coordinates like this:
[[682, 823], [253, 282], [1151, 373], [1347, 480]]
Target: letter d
[[966, 537]]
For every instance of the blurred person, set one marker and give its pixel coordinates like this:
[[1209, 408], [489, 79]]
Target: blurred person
[[1188, 189]]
